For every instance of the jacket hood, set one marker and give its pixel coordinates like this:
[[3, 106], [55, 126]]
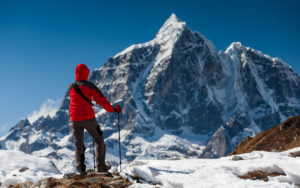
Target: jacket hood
[[82, 72]]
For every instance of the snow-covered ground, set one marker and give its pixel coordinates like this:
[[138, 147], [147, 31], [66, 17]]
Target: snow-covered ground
[[33, 168], [222, 172]]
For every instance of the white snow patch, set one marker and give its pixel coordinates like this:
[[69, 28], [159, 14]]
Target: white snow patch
[[65, 141], [222, 172], [13, 161], [14, 145]]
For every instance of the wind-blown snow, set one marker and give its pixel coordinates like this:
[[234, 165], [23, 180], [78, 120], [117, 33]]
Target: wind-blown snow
[[48, 108], [222, 172]]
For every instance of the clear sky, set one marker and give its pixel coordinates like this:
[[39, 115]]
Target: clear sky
[[42, 41]]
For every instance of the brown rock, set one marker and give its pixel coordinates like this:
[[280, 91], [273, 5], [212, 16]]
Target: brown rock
[[295, 154], [259, 175], [77, 184], [68, 176], [26, 184], [118, 183], [47, 182], [92, 180], [23, 169], [237, 158]]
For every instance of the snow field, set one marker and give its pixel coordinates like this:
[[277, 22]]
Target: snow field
[[222, 172], [13, 161]]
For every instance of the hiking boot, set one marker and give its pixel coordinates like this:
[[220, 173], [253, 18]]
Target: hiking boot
[[108, 167], [82, 173], [103, 169]]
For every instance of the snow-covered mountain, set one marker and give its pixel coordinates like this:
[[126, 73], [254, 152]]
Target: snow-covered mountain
[[180, 97]]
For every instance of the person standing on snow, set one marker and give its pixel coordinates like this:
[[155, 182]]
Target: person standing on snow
[[82, 117]]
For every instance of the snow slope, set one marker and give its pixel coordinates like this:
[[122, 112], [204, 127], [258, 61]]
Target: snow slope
[[188, 173], [220, 172], [35, 168]]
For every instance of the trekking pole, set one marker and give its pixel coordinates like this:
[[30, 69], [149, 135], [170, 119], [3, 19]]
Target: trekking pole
[[119, 141], [94, 154]]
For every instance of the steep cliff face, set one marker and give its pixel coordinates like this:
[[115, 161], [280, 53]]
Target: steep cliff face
[[264, 91], [178, 95]]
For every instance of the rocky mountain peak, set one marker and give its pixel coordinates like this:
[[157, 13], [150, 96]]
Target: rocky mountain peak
[[171, 30], [234, 47], [23, 123], [238, 48]]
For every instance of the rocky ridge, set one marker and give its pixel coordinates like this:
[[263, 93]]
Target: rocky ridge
[[92, 180], [282, 137]]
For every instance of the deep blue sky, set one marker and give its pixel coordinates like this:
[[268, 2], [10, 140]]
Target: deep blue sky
[[42, 41]]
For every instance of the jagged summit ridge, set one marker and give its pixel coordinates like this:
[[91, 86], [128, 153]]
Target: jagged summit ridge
[[166, 36], [171, 30], [237, 46]]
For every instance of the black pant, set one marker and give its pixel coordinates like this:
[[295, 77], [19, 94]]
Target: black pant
[[94, 130]]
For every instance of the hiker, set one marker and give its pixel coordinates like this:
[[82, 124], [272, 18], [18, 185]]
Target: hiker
[[82, 117]]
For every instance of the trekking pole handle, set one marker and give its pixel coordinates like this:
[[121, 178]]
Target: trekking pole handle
[[118, 109]]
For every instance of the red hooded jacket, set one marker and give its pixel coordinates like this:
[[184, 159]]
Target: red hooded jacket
[[80, 109]]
